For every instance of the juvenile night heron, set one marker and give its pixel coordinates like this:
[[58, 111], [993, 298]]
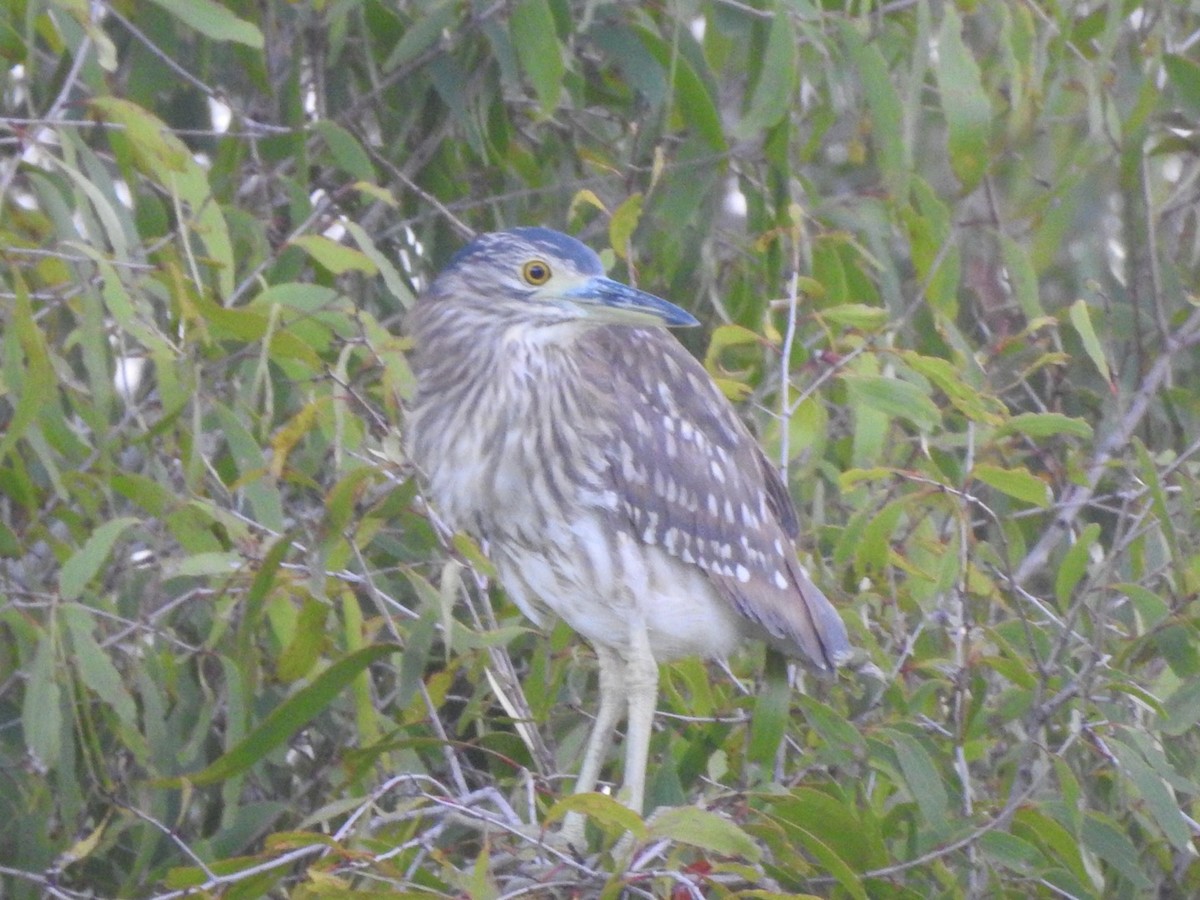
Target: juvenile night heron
[[611, 482]]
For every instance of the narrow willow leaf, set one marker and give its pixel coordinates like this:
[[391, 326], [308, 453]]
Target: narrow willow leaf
[[1022, 277], [538, 49], [283, 721], [1154, 794], [691, 98], [96, 668], [1011, 851], [859, 844], [1114, 847], [422, 33], [308, 639], [624, 222], [83, 565], [893, 397], [951, 381], [772, 96], [1184, 75], [41, 713], [925, 785], [964, 102], [1182, 708], [1074, 565], [611, 815], [887, 112], [814, 842], [1082, 320], [1039, 425], [1057, 842], [1020, 484], [337, 258], [346, 151], [214, 20], [391, 276], [771, 708], [856, 315], [707, 830]]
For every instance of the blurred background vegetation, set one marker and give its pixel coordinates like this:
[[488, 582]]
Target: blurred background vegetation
[[947, 256]]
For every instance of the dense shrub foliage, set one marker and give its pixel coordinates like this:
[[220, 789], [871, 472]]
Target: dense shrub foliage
[[946, 255]]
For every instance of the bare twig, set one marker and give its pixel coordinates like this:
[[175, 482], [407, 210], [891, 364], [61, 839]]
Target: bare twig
[[1078, 495]]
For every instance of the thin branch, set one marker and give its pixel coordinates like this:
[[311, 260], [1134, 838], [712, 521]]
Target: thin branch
[[1078, 495]]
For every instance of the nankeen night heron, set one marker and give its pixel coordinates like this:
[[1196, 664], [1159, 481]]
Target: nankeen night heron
[[610, 481]]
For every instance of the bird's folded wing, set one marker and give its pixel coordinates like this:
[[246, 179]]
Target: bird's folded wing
[[690, 478]]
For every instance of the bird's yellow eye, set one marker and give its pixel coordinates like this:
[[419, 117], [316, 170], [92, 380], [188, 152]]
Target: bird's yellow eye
[[536, 272]]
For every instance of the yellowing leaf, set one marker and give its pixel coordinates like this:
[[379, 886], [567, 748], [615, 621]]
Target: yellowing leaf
[[624, 222]]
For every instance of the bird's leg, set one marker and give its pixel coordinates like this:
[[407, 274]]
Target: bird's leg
[[612, 687], [641, 685]]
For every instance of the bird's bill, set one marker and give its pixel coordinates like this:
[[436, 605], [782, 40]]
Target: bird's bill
[[605, 300]]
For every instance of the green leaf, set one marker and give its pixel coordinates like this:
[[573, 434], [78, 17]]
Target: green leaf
[[33, 387], [624, 222], [856, 842], [607, 812], [337, 258], [692, 100], [391, 276], [214, 20], [925, 785], [298, 658], [291, 715], [1011, 851], [950, 380], [771, 708], [893, 397], [1082, 320], [855, 315], [1020, 484], [1102, 836], [1184, 75], [202, 565], [707, 830], [1154, 795], [157, 148], [347, 152], [1182, 708], [771, 99], [1040, 425], [964, 102], [96, 668], [816, 844], [883, 102], [41, 712], [1023, 278], [1151, 607], [1074, 564], [538, 50], [85, 562], [423, 33]]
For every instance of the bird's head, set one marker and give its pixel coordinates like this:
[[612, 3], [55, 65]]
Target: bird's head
[[537, 272]]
